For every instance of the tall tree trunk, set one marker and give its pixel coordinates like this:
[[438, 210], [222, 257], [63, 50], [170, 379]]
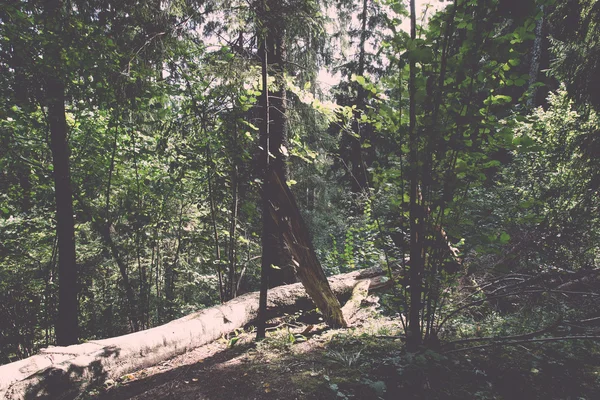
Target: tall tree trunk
[[359, 182], [278, 141], [284, 232], [66, 325], [414, 338], [134, 317], [267, 221]]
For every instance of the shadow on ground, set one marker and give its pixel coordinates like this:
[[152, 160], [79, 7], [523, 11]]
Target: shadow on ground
[[343, 365]]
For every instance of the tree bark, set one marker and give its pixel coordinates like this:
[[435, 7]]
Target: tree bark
[[273, 48], [66, 324], [66, 372]]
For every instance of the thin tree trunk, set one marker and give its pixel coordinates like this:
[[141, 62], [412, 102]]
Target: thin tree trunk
[[47, 292], [150, 276], [135, 318], [171, 270], [414, 338], [114, 250], [157, 278], [213, 214], [267, 222], [536, 55], [232, 232], [103, 228]]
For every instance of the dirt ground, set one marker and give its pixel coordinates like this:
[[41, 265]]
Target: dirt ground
[[366, 361], [296, 361]]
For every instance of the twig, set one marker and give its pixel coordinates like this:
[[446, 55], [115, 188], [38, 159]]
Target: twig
[[403, 338], [282, 325], [590, 319]]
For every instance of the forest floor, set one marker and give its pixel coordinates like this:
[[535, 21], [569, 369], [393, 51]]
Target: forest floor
[[366, 361]]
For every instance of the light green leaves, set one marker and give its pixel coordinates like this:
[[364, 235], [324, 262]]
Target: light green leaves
[[497, 99]]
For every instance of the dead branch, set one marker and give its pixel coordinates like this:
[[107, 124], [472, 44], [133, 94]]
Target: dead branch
[[518, 342], [529, 335]]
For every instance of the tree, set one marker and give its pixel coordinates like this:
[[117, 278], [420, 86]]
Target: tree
[[66, 325], [355, 158], [575, 43], [462, 73], [272, 48], [414, 335], [282, 222]]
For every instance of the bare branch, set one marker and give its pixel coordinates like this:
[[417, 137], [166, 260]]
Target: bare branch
[[518, 342], [529, 335]]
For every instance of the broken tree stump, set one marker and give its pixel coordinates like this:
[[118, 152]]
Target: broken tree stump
[[285, 212]]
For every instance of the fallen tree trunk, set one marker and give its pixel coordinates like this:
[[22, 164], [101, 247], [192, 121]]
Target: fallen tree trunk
[[65, 372], [359, 293]]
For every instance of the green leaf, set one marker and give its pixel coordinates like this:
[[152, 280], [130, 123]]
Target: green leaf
[[493, 163], [360, 79], [498, 99]]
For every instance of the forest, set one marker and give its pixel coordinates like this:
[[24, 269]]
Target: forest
[[180, 178]]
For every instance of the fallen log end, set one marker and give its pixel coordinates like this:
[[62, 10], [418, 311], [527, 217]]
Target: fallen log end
[[352, 306]]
